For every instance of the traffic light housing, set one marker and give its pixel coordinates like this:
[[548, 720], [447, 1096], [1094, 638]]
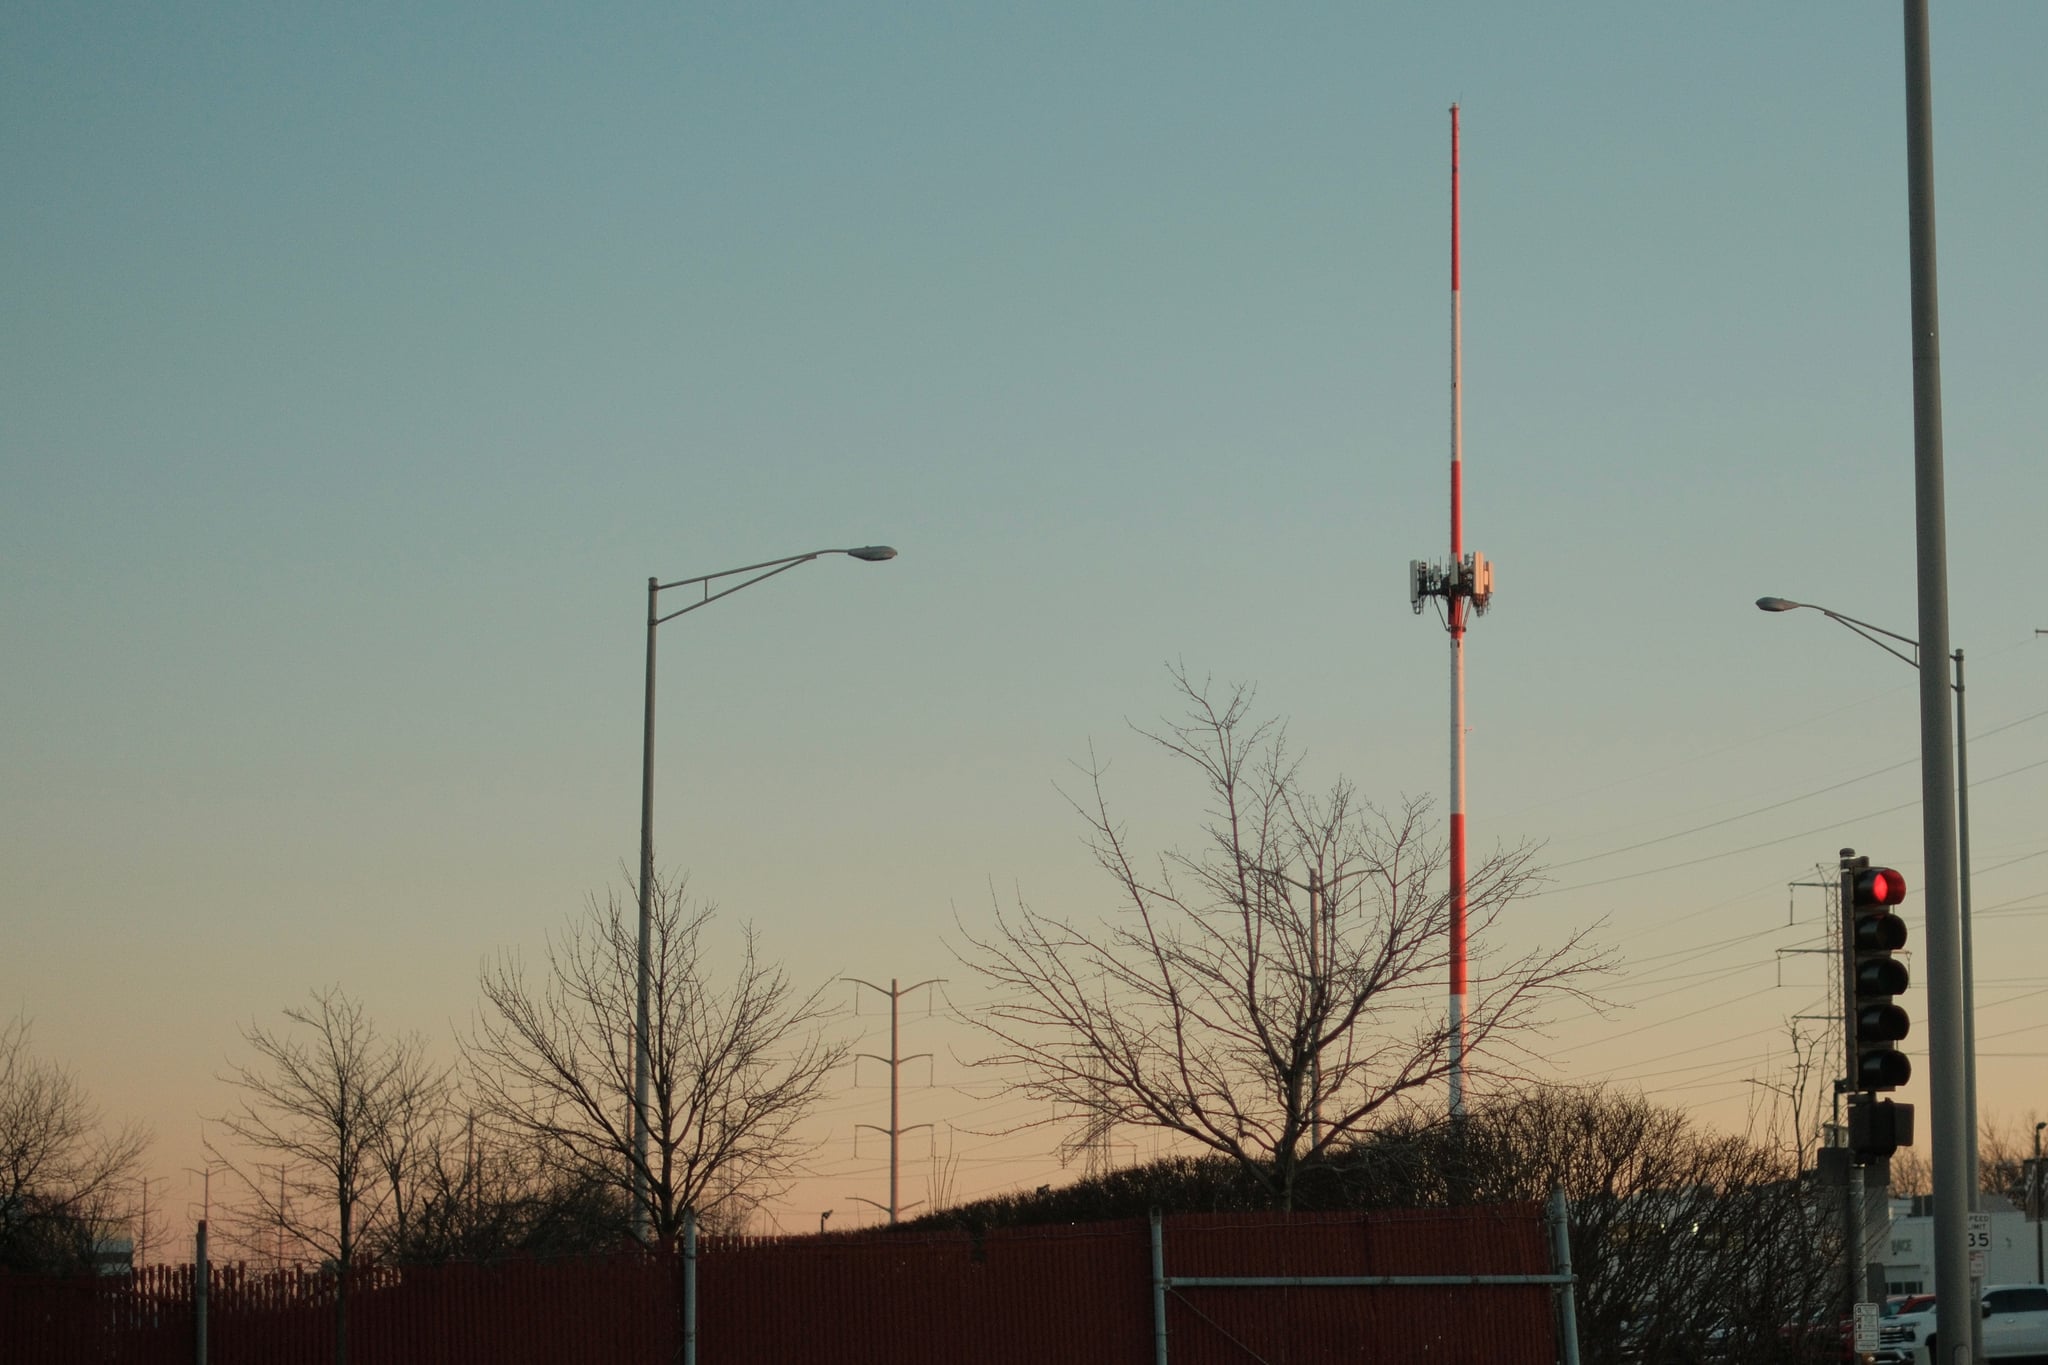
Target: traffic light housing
[[1872, 933], [1878, 1128]]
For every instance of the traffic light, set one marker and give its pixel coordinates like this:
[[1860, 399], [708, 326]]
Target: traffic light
[[1872, 934], [1878, 1128]]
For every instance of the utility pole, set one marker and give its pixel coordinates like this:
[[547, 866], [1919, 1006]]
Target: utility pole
[[2038, 1204], [895, 1061], [1319, 961]]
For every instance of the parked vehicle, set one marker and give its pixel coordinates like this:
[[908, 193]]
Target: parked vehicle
[[2015, 1326], [1904, 1303]]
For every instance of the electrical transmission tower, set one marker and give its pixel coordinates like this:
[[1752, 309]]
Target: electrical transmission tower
[[1090, 1142], [894, 1061]]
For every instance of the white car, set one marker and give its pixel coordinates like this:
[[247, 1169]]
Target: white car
[[2015, 1325]]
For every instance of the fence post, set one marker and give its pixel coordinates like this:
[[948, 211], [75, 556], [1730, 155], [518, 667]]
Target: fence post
[[689, 1287], [1158, 1290], [1561, 1262], [201, 1273]]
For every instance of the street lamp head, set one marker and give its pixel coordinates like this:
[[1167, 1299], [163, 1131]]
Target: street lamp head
[[1777, 604], [874, 554]]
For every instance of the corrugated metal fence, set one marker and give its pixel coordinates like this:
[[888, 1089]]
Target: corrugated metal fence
[[1076, 1294]]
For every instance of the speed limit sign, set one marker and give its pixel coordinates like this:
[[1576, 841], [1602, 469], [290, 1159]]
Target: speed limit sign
[[1980, 1243]]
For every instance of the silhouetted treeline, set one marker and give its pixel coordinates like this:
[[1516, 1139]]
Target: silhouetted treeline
[[1689, 1245]]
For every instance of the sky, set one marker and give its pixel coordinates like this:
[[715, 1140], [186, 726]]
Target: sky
[[358, 367]]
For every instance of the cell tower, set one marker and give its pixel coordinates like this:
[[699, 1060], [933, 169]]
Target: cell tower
[[1465, 588]]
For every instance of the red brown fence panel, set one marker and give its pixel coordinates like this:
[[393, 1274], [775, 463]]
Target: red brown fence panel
[[1479, 1324], [1071, 1294], [1080, 1295]]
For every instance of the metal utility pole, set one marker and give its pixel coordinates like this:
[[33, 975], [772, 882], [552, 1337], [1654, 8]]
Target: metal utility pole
[[1466, 582], [1319, 960], [1853, 1244], [2037, 1205], [895, 1061], [1955, 1309], [1969, 952], [202, 1284]]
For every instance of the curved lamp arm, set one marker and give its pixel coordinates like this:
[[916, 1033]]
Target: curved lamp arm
[[871, 553], [1863, 628]]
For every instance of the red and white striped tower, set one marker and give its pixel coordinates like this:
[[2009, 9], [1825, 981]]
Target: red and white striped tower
[[1455, 620], [1465, 586]]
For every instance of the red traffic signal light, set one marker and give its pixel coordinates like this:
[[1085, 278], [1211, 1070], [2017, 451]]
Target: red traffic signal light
[[1871, 933], [1878, 886]]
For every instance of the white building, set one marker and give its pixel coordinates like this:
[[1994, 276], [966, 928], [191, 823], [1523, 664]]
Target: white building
[[1908, 1252]]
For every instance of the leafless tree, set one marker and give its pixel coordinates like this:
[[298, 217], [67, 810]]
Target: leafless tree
[[1910, 1173], [735, 1064], [2003, 1150], [478, 1193], [1689, 1244], [1218, 1007], [1797, 1093], [335, 1108], [66, 1181]]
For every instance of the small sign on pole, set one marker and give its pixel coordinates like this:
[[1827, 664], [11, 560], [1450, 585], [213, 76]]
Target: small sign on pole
[[1865, 1328], [1980, 1243]]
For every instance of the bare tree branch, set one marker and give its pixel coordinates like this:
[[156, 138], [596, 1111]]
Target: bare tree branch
[[1215, 1005], [336, 1107], [734, 1066], [64, 1180]]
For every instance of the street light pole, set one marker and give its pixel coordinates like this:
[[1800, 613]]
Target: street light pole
[[644, 974], [1956, 1317], [1871, 633]]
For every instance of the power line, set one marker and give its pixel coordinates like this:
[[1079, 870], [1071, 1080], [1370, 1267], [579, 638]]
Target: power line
[[1773, 843]]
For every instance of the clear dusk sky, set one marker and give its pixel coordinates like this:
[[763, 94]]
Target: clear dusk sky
[[359, 364]]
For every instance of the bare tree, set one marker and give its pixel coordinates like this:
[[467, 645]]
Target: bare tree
[[333, 1102], [2003, 1150], [1910, 1173], [1689, 1244], [1797, 1094], [1272, 992], [479, 1193], [735, 1065], [65, 1181], [407, 1142]]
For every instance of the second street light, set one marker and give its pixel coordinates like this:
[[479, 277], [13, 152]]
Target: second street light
[[655, 587], [1871, 633]]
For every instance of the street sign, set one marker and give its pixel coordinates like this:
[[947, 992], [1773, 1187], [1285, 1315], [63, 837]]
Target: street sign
[[1980, 1243], [1866, 1328]]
